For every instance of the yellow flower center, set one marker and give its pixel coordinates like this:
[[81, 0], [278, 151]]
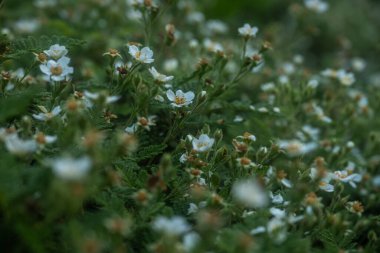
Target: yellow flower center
[[179, 100], [357, 207], [138, 54], [56, 71], [143, 121]]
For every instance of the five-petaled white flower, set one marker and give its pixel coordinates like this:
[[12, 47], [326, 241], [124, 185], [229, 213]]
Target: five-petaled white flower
[[248, 31], [161, 78], [203, 144], [45, 115], [57, 70], [180, 98], [69, 168], [145, 55], [56, 51]]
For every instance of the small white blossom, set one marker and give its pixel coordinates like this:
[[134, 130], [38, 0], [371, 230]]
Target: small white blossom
[[296, 148], [68, 168], [180, 98], [171, 65], [249, 193], [318, 6], [212, 46], [346, 176], [174, 226], [18, 146], [358, 64], [45, 115], [146, 122], [93, 96], [56, 51], [144, 56], [346, 78], [248, 31], [203, 144], [160, 77], [57, 70], [190, 241]]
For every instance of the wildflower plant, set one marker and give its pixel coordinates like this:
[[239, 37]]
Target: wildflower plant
[[154, 126]]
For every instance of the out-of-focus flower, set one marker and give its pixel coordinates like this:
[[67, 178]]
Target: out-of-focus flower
[[317, 5], [248, 31], [296, 148], [18, 146], [345, 78], [355, 207], [45, 115], [161, 78], [249, 193], [68, 168], [212, 46], [203, 143], [173, 226]]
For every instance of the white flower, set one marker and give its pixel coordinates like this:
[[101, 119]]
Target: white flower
[[180, 98], [216, 26], [313, 83], [45, 115], [96, 96], [171, 64], [296, 148], [131, 129], [27, 25], [277, 229], [276, 199], [212, 46], [190, 240], [57, 70], [56, 51], [249, 193], [238, 118], [43, 139], [160, 77], [174, 226], [144, 56], [317, 5], [245, 162], [325, 185], [358, 64], [347, 177], [69, 168], [146, 123], [203, 144], [258, 230], [345, 78], [183, 158], [159, 98], [18, 146], [248, 31]]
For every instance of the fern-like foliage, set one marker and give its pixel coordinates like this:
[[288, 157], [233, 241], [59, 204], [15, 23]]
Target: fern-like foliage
[[30, 44]]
